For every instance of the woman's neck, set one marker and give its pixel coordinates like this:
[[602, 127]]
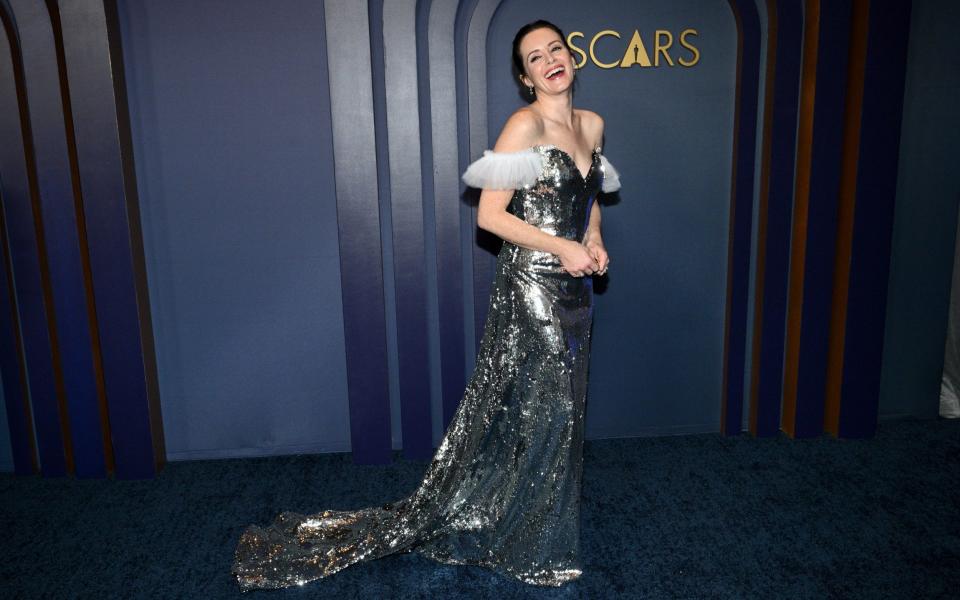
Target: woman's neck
[[557, 108]]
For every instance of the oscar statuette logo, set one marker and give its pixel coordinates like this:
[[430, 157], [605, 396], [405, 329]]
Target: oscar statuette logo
[[635, 53]]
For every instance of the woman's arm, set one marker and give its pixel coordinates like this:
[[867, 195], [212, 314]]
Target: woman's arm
[[593, 241], [593, 227], [521, 132]]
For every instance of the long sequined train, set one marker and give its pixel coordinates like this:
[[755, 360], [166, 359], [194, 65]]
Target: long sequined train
[[503, 488]]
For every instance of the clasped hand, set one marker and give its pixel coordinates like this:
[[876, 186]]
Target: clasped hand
[[585, 259]]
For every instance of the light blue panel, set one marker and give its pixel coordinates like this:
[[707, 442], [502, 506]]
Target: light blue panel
[[656, 363], [928, 190], [6, 451], [231, 127]]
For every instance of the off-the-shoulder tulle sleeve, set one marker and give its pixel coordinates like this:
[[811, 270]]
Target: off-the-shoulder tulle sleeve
[[611, 178], [504, 170]]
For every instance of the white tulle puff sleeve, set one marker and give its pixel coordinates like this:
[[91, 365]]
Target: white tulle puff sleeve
[[504, 170], [611, 179]]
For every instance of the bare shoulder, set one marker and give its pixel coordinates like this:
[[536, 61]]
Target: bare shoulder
[[591, 124], [521, 131]]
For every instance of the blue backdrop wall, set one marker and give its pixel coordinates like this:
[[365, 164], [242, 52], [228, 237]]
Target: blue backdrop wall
[[314, 277], [234, 167]]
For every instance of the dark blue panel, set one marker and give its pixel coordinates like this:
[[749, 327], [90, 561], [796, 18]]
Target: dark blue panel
[[64, 245], [468, 220], [741, 213], [105, 164], [877, 167], [358, 215], [443, 186], [786, 96], [384, 177], [395, 25], [422, 38], [11, 365], [827, 144], [20, 185], [925, 218], [12, 168], [76, 325]]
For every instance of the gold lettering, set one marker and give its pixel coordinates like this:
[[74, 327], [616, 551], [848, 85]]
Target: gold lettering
[[693, 50], [661, 49], [636, 52], [577, 49], [593, 43]]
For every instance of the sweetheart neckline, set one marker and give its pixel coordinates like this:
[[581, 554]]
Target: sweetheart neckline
[[576, 167]]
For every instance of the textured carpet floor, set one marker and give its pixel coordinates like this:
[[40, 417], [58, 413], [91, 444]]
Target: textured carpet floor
[[700, 516]]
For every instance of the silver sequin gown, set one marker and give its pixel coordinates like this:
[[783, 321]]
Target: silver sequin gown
[[503, 488]]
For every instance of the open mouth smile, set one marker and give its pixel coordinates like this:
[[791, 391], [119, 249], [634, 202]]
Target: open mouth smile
[[555, 73]]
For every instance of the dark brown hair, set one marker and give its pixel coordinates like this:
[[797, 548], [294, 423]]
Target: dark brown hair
[[538, 24]]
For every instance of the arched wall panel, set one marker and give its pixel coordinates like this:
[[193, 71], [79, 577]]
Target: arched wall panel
[[312, 258], [431, 257], [815, 219], [872, 227], [468, 229], [111, 212], [776, 211], [741, 212], [64, 249], [385, 215], [361, 273], [19, 418], [767, 28], [410, 278], [17, 165]]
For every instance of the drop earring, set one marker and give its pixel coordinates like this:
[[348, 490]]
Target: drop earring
[[530, 88]]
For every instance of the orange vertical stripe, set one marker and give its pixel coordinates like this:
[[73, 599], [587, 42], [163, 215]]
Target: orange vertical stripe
[[798, 244], [848, 195]]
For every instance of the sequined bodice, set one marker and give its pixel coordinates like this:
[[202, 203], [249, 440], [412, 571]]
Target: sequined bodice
[[559, 201]]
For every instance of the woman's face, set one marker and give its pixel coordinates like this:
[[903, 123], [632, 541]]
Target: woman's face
[[546, 60]]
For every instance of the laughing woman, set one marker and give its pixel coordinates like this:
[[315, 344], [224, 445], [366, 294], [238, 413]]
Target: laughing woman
[[503, 489]]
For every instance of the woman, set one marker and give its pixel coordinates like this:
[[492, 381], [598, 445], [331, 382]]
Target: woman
[[503, 489]]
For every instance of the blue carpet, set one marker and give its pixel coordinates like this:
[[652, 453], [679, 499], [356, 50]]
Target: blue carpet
[[699, 516]]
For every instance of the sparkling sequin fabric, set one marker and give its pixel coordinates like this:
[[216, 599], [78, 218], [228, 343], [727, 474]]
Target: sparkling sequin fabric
[[503, 488]]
